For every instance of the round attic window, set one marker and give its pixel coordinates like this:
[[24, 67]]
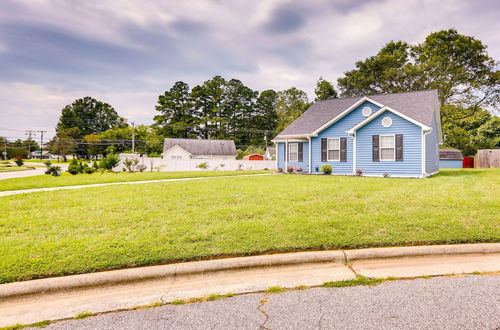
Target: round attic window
[[366, 111], [387, 122]]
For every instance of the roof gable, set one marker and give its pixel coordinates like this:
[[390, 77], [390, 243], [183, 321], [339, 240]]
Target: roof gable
[[202, 147], [419, 106]]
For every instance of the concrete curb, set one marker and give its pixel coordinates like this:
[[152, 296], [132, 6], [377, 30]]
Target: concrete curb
[[135, 275]]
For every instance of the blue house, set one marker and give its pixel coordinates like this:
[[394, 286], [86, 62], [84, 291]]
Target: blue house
[[396, 134]]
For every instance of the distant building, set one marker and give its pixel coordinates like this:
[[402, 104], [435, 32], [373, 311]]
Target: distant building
[[36, 155], [182, 149], [270, 153], [450, 158], [253, 157]]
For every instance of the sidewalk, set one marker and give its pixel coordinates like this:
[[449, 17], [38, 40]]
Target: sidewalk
[[26, 191], [64, 297]]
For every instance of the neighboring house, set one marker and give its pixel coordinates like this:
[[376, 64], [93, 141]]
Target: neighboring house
[[36, 155], [270, 153], [253, 157], [181, 149], [396, 134], [450, 158]]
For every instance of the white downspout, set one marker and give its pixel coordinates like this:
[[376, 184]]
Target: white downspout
[[310, 155], [424, 133], [354, 153]]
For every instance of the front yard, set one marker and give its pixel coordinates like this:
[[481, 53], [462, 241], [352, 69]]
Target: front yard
[[66, 232]]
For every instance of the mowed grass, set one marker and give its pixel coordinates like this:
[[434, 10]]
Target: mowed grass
[[66, 232], [66, 179]]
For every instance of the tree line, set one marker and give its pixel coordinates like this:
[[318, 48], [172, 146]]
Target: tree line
[[458, 66]]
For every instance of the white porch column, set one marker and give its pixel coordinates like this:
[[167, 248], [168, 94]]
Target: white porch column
[[286, 155], [310, 155]]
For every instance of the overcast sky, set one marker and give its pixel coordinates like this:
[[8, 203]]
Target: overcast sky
[[127, 52]]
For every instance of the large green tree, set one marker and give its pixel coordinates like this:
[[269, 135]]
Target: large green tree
[[324, 90], [176, 108], [458, 66], [87, 116], [290, 104]]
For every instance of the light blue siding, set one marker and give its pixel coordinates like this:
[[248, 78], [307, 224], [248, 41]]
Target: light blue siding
[[305, 157], [432, 149], [338, 130], [450, 163], [412, 145]]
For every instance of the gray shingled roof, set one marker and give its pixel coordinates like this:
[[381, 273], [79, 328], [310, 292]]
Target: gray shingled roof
[[202, 147], [453, 154], [418, 105]]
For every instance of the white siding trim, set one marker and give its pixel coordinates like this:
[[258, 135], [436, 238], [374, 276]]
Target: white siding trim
[[345, 112], [381, 111], [424, 133]]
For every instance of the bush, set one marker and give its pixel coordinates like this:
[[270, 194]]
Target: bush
[[47, 163], [109, 162], [326, 169], [386, 175], [80, 167], [141, 168], [95, 167], [73, 169], [290, 169], [87, 169], [203, 166], [53, 170], [359, 172], [19, 162]]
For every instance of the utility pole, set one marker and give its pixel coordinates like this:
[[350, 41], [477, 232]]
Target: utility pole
[[29, 132], [41, 143], [5, 148], [133, 137]]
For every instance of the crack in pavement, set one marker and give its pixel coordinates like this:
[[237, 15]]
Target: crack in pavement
[[170, 287], [262, 302]]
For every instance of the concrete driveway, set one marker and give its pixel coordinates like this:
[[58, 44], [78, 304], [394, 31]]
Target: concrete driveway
[[461, 302]]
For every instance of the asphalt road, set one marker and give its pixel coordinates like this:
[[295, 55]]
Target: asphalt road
[[460, 302]]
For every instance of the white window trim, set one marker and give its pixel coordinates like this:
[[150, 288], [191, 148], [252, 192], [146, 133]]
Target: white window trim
[[327, 149], [290, 153], [380, 148]]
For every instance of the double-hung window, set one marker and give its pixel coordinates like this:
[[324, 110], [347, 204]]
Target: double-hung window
[[387, 148], [293, 152], [333, 149]]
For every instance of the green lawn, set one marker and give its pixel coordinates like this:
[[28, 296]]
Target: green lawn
[[66, 232], [66, 179]]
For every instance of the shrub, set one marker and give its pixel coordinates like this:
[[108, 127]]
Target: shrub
[[80, 167], [131, 164], [326, 169], [203, 166], [73, 167], [290, 169], [280, 170], [359, 172], [386, 175], [47, 163], [53, 170], [109, 162], [19, 162], [141, 168], [87, 169], [95, 166]]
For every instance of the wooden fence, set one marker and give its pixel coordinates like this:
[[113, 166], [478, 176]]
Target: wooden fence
[[487, 158]]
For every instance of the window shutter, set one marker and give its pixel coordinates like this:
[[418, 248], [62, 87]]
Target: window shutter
[[343, 149], [375, 148], [399, 147], [323, 149], [301, 152]]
